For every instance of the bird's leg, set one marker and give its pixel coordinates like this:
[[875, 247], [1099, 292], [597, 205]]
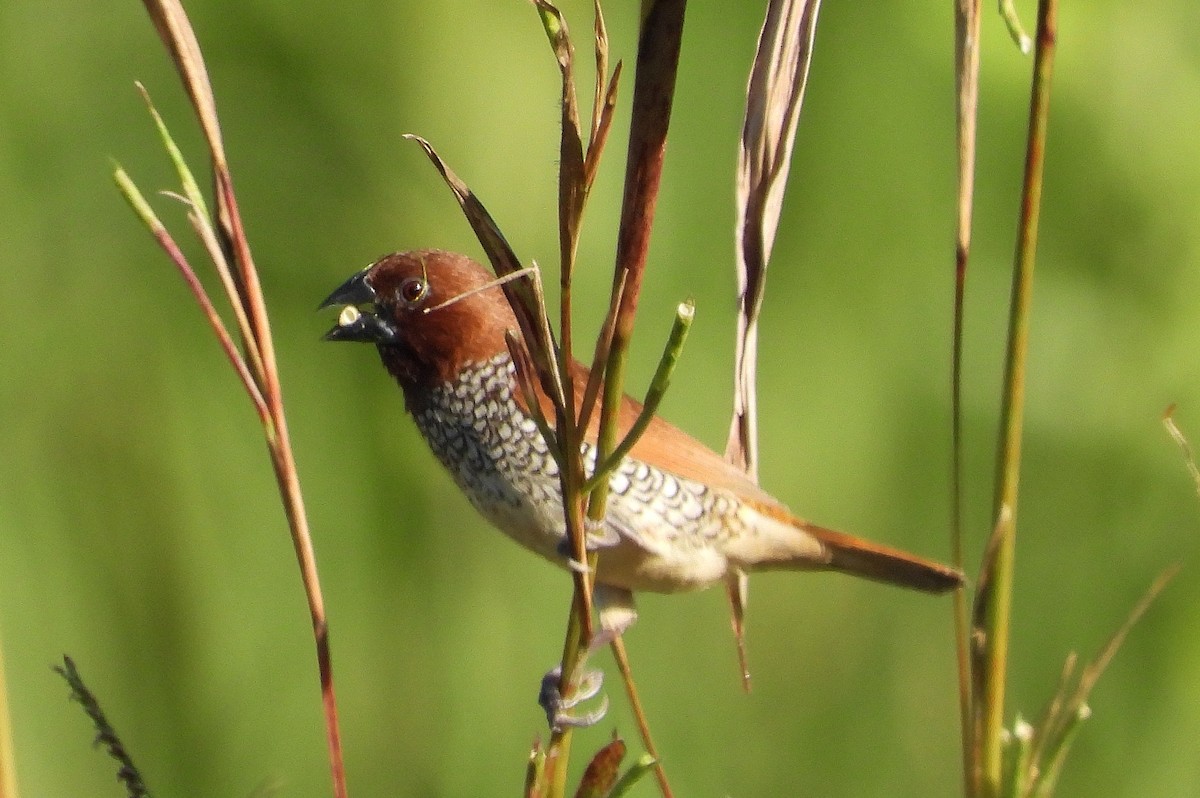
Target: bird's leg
[[617, 614]]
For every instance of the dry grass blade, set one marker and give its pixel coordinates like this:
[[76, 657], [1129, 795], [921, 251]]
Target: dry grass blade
[[177, 35], [494, 244], [653, 96], [233, 240], [525, 375], [966, 80], [967, 15], [600, 34], [142, 208], [1184, 448], [604, 99], [521, 294], [653, 93], [175, 30], [603, 126], [572, 193], [1095, 669], [774, 96], [245, 295], [218, 250]]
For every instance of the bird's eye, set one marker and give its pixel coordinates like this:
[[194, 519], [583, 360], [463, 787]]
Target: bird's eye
[[413, 290]]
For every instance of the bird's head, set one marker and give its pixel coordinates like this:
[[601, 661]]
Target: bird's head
[[429, 313]]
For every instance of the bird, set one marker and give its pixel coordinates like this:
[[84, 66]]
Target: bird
[[679, 517]]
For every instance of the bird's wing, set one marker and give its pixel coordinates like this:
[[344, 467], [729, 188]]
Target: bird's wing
[[668, 448]]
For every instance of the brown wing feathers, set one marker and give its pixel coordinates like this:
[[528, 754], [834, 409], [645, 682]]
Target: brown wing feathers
[[673, 450]]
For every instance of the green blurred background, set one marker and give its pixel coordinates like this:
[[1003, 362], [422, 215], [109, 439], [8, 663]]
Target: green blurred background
[[139, 526]]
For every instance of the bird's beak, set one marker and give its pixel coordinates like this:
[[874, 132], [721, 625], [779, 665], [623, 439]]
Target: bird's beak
[[355, 324], [355, 291]]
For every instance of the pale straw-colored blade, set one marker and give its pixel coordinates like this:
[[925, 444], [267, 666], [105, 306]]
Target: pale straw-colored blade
[[774, 95]]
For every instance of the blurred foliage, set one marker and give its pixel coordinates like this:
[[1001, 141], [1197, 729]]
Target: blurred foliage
[[139, 526]]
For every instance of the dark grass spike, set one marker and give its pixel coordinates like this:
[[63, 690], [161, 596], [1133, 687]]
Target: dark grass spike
[[106, 735]]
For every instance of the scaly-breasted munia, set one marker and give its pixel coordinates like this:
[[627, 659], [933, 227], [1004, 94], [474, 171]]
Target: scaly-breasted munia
[[679, 517]]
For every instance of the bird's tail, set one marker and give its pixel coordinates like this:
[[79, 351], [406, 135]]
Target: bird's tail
[[782, 542], [884, 564]]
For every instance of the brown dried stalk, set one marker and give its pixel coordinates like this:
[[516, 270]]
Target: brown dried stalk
[[967, 14], [225, 241]]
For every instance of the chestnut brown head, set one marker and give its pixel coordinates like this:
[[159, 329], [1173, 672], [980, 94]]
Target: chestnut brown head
[[400, 305]]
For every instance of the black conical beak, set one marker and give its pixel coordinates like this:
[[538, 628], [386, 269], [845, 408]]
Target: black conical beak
[[355, 291], [354, 324]]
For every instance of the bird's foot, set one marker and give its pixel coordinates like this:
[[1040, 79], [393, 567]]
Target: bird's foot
[[586, 687], [558, 708], [617, 614]]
